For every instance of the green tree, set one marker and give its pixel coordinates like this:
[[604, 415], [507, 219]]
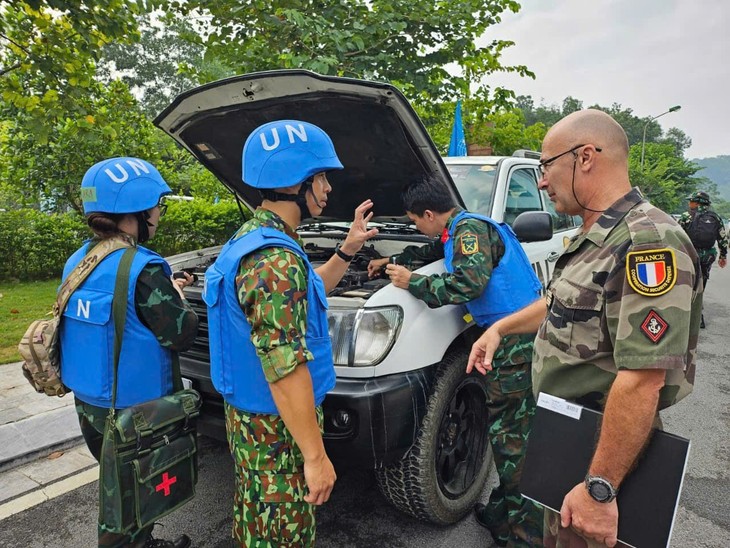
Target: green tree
[[48, 51], [160, 65], [505, 132], [48, 175], [678, 139], [570, 105], [666, 178], [406, 42]]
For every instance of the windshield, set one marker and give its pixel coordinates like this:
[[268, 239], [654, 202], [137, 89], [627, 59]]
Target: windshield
[[475, 184]]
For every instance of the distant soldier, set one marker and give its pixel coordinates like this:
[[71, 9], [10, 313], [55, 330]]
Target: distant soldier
[[270, 351], [705, 227], [486, 270], [617, 331]]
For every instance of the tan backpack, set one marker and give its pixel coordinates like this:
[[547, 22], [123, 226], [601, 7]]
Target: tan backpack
[[40, 346]]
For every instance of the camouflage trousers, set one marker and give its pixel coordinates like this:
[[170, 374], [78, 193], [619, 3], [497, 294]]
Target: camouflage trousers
[[707, 258], [558, 537], [92, 420], [269, 510], [512, 519]]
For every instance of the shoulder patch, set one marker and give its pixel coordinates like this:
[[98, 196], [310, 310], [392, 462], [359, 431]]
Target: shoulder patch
[[652, 272], [654, 327], [469, 244]]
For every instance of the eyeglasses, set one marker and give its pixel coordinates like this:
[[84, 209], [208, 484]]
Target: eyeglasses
[[544, 164], [163, 208]]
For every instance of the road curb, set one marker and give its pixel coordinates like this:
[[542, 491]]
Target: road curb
[[38, 436]]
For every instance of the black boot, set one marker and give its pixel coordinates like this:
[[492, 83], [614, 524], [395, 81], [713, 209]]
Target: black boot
[[484, 518], [183, 541], [702, 322]]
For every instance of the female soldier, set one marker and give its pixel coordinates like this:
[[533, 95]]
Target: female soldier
[[121, 199]]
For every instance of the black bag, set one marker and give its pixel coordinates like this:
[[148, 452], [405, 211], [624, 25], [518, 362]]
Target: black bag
[[704, 229], [149, 461]]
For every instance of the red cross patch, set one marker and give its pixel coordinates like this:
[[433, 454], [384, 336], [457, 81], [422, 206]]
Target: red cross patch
[[654, 327], [165, 483]]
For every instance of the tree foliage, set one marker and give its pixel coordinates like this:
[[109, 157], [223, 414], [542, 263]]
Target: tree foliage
[[666, 178], [48, 175], [160, 65], [406, 42], [48, 51]]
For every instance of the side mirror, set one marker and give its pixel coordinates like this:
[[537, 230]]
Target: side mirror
[[533, 226]]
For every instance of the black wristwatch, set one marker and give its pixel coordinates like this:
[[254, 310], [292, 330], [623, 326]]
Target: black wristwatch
[[342, 255], [600, 489]]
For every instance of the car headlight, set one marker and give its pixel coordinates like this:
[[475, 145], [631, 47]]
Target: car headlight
[[363, 336]]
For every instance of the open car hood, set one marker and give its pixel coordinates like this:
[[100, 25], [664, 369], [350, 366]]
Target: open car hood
[[377, 135]]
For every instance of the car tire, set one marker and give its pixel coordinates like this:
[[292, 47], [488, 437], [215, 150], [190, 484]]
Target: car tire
[[443, 474]]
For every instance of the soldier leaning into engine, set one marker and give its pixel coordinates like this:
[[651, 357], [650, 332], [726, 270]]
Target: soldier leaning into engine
[[705, 227], [486, 270], [270, 351]]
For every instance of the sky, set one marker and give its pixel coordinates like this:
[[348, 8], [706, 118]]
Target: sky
[[647, 55]]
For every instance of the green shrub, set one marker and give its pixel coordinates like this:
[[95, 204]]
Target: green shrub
[[196, 224], [35, 245]]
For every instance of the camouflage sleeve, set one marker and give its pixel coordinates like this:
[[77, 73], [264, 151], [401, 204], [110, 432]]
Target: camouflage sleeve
[[160, 308], [477, 247], [685, 220], [272, 290], [651, 328], [427, 253]]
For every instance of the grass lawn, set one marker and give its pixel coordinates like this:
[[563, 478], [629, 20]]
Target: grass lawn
[[20, 304]]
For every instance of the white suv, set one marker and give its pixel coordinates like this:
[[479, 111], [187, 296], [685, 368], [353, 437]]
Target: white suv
[[402, 405]]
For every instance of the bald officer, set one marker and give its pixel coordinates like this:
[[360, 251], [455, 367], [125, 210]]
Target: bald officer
[[618, 328]]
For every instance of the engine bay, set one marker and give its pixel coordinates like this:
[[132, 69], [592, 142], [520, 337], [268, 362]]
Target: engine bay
[[354, 283]]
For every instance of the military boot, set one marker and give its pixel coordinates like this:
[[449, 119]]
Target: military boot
[[494, 519], [702, 322], [183, 541]]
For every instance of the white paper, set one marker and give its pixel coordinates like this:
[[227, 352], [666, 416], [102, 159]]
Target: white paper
[[559, 405]]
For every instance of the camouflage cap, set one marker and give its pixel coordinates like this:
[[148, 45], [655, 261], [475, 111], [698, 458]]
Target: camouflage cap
[[701, 197]]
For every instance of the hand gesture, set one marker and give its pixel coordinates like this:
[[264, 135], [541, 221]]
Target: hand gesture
[[181, 282], [376, 265], [483, 351], [589, 518], [359, 232], [399, 275], [320, 477]]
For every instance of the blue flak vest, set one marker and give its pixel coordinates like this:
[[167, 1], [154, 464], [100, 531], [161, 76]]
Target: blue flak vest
[[513, 284], [87, 338], [235, 368]]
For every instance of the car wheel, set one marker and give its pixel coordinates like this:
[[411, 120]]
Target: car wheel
[[443, 474]]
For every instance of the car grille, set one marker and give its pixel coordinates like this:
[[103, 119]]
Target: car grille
[[199, 351]]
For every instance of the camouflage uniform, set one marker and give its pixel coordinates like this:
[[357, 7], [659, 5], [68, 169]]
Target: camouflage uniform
[[604, 316], [707, 255], [173, 321], [511, 518], [269, 509]]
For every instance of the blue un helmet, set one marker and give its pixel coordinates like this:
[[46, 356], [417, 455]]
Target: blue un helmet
[[285, 153], [122, 185]]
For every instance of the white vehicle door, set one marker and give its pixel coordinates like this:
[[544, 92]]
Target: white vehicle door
[[523, 195]]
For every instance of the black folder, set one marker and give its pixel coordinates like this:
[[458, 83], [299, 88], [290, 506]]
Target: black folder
[[559, 452]]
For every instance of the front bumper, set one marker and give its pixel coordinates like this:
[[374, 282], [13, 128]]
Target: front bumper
[[372, 422], [367, 422]]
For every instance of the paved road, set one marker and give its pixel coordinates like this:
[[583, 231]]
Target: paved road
[[358, 517]]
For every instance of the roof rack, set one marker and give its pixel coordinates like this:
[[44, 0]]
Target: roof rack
[[523, 153]]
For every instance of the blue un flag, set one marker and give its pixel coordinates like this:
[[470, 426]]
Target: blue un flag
[[457, 146]]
